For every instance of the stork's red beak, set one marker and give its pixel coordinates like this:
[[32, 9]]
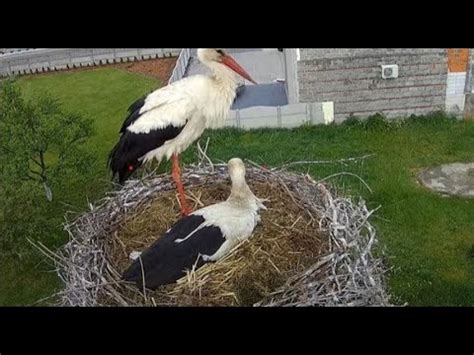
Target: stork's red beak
[[232, 64]]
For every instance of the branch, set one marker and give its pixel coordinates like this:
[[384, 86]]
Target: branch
[[43, 166], [77, 139], [326, 161], [346, 173], [6, 149], [71, 144], [28, 177], [35, 172], [36, 162], [202, 154]]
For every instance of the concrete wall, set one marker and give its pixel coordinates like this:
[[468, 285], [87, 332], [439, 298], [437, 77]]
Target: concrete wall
[[352, 79], [288, 116], [469, 104], [181, 65], [52, 59], [470, 86], [458, 80], [291, 74], [10, 50]]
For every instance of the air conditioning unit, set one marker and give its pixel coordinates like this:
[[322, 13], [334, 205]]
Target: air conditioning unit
[[390, 71]]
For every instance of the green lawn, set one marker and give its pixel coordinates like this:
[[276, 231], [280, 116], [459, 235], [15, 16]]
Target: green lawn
[[430, 239], [104, 95]]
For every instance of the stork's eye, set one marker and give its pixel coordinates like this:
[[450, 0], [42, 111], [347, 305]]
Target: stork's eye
[[220, 51]]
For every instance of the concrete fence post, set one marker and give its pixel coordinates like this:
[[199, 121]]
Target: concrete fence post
[[309, 109], [468, 88], [237, 118]]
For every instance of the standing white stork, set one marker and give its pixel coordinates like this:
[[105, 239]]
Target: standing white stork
[[205, 235], [167, 121]]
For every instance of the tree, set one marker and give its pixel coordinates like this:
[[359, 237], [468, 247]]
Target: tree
[[40, 143]]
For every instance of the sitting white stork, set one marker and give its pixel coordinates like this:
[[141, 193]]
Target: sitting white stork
[[167, 121], [205, 235]]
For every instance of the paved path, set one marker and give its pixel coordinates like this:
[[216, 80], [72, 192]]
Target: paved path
[[453, 179], [265, 66]]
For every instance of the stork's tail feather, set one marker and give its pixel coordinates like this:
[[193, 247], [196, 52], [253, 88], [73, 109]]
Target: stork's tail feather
[[133, 273]]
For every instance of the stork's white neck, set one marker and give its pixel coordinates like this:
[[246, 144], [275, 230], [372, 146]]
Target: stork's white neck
[[222, 95], [242, 195], [223, 75]]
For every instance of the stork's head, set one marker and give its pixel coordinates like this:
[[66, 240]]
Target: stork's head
[[236, 170], [211, 56], [241, 193]]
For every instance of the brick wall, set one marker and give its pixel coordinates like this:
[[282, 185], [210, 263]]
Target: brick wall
[[458, 80], [352, 79]]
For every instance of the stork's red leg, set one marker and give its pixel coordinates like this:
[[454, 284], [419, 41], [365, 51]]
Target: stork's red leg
[[176, 174]]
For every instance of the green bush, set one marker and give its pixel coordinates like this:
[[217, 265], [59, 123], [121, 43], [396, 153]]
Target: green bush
[[41, 152]]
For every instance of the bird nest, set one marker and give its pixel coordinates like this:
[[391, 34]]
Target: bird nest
[[312, 247]]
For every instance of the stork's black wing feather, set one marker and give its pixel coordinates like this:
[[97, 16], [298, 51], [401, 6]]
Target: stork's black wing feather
[[124, 158], [133, 112], [165, 261]]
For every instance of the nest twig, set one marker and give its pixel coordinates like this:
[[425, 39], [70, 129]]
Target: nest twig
[[347, 274]]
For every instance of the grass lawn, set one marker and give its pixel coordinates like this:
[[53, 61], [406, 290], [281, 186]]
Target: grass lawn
[[430, 239], [103, 94]]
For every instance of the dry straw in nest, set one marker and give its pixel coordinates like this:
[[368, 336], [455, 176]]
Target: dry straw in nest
[[312, 248]]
